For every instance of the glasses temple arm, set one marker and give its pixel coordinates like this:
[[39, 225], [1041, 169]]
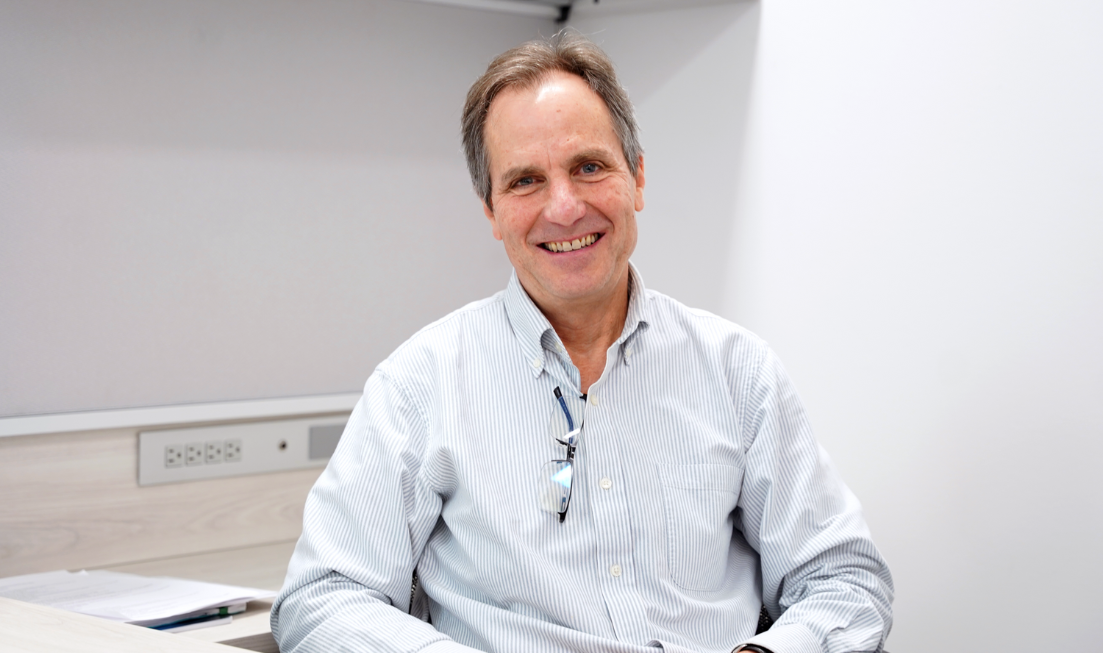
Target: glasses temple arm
[[563, 405]]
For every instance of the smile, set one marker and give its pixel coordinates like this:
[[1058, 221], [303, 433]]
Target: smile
[[571, 245]]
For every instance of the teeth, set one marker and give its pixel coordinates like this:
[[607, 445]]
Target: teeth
[[571, 245]]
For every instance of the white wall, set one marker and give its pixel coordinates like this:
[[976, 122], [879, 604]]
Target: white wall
[[209, 200], [913, 217]]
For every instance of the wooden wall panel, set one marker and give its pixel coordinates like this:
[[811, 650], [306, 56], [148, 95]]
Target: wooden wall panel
[[71, 501]]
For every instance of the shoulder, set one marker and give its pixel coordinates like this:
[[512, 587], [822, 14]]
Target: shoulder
[[476, 317], [438, 349], [700, 329], [717, 352], [731, 358]]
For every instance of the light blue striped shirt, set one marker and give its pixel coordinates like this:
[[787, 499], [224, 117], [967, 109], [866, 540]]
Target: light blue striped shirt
[[699, 494]]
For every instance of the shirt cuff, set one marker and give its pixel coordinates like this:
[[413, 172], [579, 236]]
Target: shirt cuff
[[786, 638]]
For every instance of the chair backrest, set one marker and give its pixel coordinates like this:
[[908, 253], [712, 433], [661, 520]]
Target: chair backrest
[[764, 621]]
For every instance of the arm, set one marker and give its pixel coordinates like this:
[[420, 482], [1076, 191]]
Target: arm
[[822, 577], [366, 522]]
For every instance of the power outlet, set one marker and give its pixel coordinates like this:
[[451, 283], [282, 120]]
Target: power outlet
[[214, 453], [176, 455], [193, 453], [231, 451]]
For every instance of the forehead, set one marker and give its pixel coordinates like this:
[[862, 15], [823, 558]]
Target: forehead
[[557, 115]]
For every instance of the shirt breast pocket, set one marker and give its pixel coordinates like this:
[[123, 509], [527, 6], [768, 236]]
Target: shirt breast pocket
[[698, 501]]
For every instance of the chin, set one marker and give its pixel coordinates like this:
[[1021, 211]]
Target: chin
[[571, 291]]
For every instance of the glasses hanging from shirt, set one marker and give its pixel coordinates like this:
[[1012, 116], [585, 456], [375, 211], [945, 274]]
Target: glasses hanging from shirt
[[556, 478]]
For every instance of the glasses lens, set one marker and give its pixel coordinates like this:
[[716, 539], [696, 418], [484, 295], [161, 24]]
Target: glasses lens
[[554, 485]]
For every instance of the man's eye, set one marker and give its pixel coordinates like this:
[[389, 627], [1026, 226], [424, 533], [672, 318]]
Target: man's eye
[[589, 168], [524, 181]]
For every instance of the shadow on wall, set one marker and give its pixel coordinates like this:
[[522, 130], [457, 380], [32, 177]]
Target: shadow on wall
[[271, 76], [689, 73]]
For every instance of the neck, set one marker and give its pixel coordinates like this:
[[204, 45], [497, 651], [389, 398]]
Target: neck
[[588, 328]]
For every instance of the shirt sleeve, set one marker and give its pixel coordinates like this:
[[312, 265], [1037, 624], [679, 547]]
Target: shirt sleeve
[[823, 580], [365, 524]]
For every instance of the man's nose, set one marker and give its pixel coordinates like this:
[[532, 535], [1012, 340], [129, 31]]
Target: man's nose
[[565, 206]]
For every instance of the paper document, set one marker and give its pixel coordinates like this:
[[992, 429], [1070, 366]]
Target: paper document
[[139, 600]]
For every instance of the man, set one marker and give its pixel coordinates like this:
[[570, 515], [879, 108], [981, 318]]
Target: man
[[577, 463]]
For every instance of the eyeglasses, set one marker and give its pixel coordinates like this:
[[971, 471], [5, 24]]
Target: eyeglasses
[[557, 477]]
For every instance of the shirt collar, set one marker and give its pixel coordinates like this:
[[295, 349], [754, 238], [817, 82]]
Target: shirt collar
[[530, 326]]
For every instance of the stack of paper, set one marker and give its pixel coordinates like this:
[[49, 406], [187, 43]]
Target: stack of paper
[[170, 604]]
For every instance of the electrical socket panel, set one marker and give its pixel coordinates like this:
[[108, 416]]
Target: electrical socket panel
[[191, 454]]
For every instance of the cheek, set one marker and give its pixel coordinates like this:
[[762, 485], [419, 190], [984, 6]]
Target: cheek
[[516, 217], [510, 230], [616, 202]]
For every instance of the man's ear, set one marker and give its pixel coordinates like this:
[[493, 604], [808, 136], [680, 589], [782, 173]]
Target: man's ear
[[640, 182], [489, 213]]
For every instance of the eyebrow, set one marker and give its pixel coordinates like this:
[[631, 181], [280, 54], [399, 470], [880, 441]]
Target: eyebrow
[[595, 154]]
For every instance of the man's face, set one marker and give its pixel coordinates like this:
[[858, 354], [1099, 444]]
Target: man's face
[[564, 200]]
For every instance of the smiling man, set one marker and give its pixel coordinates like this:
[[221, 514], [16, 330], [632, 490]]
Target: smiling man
[[578, 464]]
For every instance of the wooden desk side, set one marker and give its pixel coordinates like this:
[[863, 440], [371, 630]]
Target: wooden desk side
[[72, 501]]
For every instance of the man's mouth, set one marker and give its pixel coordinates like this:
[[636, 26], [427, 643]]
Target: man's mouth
[[571, 245]]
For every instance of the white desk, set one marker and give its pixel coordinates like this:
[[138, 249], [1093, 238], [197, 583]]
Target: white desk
[[262, 567], [29, 628]]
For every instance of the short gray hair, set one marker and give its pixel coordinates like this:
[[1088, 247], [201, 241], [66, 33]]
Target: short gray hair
[[524, 67]]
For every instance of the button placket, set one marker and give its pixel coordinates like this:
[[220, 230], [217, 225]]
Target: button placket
[[609, 506]]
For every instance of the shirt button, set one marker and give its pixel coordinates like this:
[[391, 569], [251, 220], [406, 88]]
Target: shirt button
[[536, 362], [615, 570], [606, 484], [593, 399]]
